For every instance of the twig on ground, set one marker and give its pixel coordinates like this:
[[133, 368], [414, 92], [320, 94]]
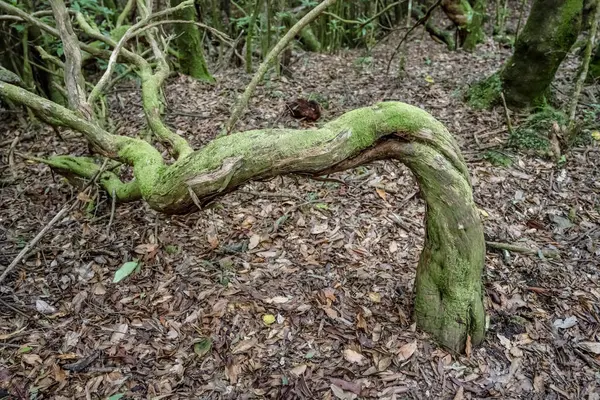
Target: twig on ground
[[269, 194], [66, 208], [69, 205], [112, 211], [523, 250], [506, 114], [11, 153]]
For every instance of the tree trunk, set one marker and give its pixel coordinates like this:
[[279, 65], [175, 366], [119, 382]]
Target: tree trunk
[[468, 18], [594, 70], [189, 45], [448, 301], [550, 31]]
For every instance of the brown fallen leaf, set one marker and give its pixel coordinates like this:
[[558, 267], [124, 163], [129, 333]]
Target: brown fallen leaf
[[244, 346], [31, 359], [468, 347], [232, 370], [407, 350], [348, 386], [460, 393], [361, 322], [375, 297], [59, 374], [341, 394], [353, 356], [329, 293], [299, 370], [592, 347], [331, 313], [254, 241], [213, 239]]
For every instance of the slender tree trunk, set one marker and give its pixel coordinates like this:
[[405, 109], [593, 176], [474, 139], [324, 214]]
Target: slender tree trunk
[[550, 31], [468, 18], [189, 45], [594, 69]]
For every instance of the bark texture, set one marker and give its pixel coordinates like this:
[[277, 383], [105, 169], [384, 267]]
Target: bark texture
[[468, 18], [448, 286], [189, 45], [550, 31]]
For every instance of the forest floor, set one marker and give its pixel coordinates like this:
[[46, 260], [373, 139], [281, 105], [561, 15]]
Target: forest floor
[[332, 261]]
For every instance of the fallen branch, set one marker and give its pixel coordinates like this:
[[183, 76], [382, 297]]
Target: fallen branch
[[523, 250], [58, 217], [67, 207]]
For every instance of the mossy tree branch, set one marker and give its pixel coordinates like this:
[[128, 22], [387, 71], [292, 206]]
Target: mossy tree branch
[[74, 82], [448, 286]]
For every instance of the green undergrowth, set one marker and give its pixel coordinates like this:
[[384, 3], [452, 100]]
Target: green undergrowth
[[498, 158], [587, 130], [533, 133], [485, 93]]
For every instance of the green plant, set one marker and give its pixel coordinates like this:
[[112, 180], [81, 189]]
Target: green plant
[[485, 93], [319, 98], [498, 158], [533, 133]]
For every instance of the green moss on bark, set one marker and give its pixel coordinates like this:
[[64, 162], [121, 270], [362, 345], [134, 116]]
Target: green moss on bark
[[485, 93], [448, 301], [550, 31], [189, 44]]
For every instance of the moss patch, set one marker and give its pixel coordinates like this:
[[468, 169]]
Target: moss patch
[[533, 134], [485, 93]]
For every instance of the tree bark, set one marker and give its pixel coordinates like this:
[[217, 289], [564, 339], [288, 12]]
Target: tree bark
[[448, 301], [550, 31], [468, 18], [189, 45]]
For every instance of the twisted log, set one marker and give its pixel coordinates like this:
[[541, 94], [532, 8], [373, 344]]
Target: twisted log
[[448, 300]]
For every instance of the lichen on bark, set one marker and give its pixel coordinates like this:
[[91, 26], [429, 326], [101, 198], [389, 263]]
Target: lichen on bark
[[189, 45]]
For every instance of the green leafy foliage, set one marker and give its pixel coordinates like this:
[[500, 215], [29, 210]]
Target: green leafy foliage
[[533, 134], [485, 93], [498, 158]]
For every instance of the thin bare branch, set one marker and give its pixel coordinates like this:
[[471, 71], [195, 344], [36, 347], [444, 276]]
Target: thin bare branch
[[262, 70], [128, 35], [221, 35], [74, 81]]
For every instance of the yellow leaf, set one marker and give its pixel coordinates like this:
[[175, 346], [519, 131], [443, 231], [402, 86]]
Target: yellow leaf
[[483, 212], [375, 297], [596, 135], [268, 319], [381, 193], [429, 79]]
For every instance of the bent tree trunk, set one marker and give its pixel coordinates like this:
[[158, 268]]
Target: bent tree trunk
[[448, 285], [550, 31], [189, 45], [468, 17]]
